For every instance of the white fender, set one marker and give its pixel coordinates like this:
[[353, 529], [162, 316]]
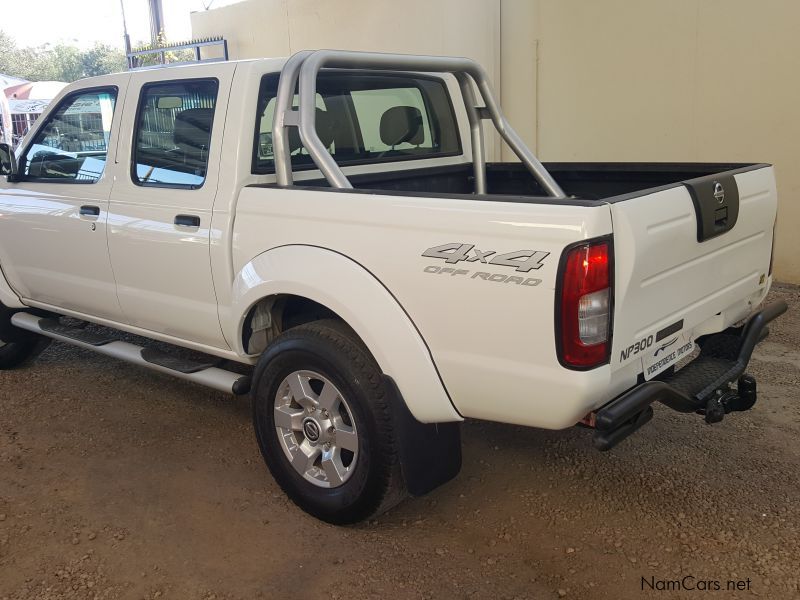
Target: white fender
[[7, 296], [352, 292]]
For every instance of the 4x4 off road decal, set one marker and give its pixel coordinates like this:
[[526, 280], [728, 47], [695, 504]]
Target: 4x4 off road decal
[[523, 261]]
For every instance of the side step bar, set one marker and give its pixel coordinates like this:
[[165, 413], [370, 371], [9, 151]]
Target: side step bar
[[202, 373]]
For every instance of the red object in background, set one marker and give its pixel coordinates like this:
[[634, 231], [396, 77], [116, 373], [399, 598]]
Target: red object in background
[[35, 90]]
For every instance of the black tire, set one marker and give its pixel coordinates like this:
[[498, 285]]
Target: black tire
[[17, 346], [333, 350]]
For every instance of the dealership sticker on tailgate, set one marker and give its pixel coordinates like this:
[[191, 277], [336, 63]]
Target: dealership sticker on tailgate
[[666, 354]]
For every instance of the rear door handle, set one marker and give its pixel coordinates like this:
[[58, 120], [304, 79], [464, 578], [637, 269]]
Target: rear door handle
[[187, 221], [90, 211]]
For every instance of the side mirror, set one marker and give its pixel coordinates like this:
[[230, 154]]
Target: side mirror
[[8, 161]]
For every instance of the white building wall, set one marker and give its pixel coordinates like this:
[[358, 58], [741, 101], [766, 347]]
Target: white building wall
[[606, 80], [677, 80], [257, 28]]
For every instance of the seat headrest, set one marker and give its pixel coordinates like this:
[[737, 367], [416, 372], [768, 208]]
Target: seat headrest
[[193, 128], [325, 125], [402, 124]]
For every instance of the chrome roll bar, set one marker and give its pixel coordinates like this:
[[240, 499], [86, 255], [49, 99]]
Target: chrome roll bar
[[304, 67]]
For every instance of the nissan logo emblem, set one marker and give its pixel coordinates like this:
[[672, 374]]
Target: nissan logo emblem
[[719, 192], [311, 430]]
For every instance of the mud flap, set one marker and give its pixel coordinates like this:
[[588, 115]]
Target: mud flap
[[430, 454]]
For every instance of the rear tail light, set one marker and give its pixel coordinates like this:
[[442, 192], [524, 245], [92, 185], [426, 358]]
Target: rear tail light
[[585, 302]]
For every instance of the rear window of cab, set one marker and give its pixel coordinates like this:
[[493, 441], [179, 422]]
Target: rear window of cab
[[365, 119]]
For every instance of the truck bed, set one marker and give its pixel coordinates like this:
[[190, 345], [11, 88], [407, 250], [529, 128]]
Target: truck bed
[[512, 182]]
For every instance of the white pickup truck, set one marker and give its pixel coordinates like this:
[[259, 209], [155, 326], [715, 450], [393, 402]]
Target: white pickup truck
[[330, 223]]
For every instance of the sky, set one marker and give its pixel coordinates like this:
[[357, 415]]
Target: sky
[[84, 22]]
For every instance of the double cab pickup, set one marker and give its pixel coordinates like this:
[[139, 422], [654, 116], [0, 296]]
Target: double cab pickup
[[326, 234]]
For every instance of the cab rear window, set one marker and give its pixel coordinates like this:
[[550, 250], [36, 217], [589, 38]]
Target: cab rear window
[[365, 119]]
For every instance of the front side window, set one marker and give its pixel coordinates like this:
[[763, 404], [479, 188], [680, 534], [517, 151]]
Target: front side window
[[72, 144], [173, 133], [365, 118]]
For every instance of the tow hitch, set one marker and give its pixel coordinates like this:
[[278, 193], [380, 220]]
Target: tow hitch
[[727, 401], [703, 386]]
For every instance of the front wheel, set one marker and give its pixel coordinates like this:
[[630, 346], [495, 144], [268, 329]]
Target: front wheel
[[323, 423], [16, 345]]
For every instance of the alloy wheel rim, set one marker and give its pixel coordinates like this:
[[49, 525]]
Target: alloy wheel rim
[[316, 429]]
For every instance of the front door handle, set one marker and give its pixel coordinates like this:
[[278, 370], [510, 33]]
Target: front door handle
[[90, 211], [187, 221]]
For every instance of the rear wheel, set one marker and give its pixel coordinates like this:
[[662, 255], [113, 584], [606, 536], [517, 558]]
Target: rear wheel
[[323, 423]]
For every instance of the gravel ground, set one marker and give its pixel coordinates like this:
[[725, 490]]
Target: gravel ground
[[119, 483]]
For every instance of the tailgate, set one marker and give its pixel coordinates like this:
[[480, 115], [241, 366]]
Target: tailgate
[[690, 259]]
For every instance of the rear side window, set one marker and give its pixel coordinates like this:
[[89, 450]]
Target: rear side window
[[72, 145], [173, 133], [365, 119]]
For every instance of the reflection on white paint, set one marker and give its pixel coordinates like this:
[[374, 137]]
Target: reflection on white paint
[[250, 276], [563, 227]]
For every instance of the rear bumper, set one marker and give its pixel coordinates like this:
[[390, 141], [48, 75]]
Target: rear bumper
[[703, 386]]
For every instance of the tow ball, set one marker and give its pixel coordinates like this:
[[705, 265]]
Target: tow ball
[[726, 400]]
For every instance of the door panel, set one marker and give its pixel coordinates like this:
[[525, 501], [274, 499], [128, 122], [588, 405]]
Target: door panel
[[54, 255], [160, 209], [54, 221]]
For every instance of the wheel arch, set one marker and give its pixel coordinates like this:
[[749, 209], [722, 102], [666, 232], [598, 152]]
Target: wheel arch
[[341, 287], [8, 297]]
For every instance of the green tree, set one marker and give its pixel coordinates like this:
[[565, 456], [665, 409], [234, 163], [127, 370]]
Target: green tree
[[56, 63], [102, 59], [9, 59], [59, 62]]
